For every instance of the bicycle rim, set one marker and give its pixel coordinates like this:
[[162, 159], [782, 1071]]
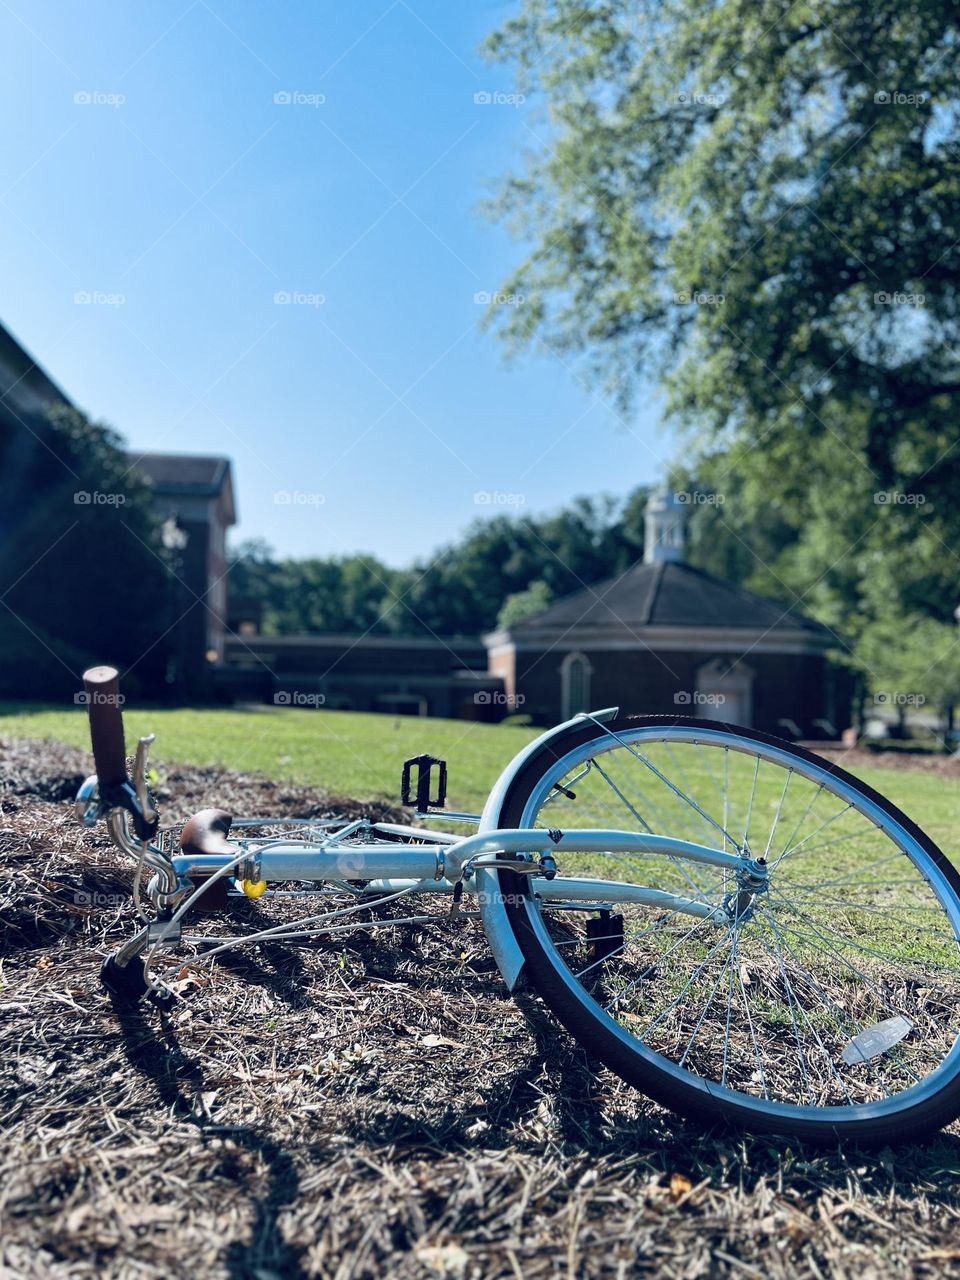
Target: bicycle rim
[[829, 1002]]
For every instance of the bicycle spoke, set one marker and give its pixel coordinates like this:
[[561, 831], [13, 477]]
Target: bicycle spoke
[[753, 792], [810, 980], [845, 810], [776, 819], [666, 781], [784, 1002]]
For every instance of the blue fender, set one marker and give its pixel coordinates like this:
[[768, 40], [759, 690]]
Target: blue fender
[[493, 912]]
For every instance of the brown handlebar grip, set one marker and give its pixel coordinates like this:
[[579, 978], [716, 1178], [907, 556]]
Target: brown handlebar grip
[[102, 686]]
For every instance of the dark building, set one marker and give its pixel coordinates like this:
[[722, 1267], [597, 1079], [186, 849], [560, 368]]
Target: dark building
[[405, 676], [664, 638], [25, 388], [193, 495]]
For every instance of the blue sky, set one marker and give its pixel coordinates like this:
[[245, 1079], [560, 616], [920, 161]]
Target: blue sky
[[147, 164]]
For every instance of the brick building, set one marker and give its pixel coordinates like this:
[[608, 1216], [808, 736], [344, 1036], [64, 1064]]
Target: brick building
[[663, 638], [193, 496]]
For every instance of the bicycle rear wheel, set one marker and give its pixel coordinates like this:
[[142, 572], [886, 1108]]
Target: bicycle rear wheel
[[827, 1005]]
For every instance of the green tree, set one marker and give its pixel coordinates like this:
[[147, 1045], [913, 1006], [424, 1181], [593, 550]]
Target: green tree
[[722, 194], [348, 594], [757, 203], [81, 572], [524, 604], [459, 590]]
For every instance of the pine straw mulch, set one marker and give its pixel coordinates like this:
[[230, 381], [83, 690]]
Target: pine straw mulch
[[372, 1107], [937, 762]]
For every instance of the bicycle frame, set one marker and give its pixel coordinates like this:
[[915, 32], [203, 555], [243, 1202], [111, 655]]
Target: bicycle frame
[[439, 861], [397, 859]]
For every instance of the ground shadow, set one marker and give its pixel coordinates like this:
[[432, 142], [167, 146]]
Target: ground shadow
[[157, 1055], [286, 976], [558, 1071]]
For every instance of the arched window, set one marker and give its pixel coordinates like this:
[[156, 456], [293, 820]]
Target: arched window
[[575, 672]]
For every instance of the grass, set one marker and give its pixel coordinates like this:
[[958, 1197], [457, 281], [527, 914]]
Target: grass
[[346, 752], [361, 755]]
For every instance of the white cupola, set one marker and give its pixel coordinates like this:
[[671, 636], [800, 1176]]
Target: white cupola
[[663, 527]]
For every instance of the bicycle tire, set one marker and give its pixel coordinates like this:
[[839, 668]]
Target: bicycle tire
[[583, 1017]]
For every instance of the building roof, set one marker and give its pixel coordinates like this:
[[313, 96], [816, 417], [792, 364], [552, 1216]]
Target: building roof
[[187, 475], [666, 594], [26, 386], [182, 472]]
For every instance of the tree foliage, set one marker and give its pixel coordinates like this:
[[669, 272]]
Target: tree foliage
[[81, 574], [524, 604], [460, 589], [757, 203]]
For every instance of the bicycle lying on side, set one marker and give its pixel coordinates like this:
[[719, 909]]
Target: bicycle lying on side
[[730, 923]]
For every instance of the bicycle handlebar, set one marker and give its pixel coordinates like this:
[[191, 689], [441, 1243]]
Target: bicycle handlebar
[[102, 686]]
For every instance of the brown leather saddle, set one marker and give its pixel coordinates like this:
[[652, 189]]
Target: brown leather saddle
[[207, 832]]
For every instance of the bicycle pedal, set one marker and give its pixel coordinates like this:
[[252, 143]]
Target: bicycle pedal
[[127, 984], [422, 800], [605, 935]]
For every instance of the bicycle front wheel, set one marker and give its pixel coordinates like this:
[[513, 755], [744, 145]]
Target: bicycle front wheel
[[827, 1004]]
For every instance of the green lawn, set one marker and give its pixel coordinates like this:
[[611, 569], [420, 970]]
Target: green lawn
[[361, 755], [350, 753]]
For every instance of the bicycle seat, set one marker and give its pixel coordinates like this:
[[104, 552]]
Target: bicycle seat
[[207, 832]]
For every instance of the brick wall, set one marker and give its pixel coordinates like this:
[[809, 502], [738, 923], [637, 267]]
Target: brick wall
[[789, 686]]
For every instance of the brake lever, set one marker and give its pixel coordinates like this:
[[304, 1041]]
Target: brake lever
[[147, 807], [94, 800]]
